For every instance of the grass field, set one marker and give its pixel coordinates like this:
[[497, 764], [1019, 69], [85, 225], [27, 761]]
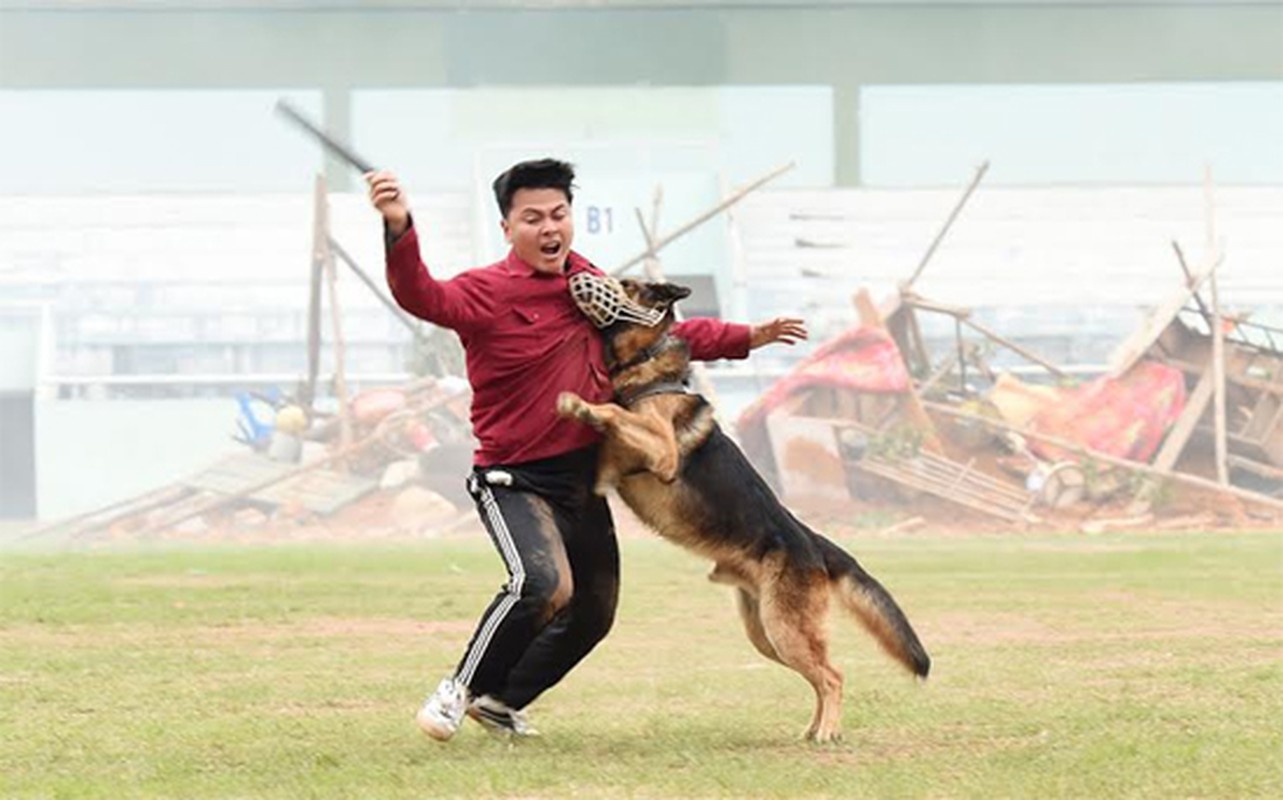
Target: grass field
[[1146, 665]]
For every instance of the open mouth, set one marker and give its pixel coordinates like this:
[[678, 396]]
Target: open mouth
[[550, 249]]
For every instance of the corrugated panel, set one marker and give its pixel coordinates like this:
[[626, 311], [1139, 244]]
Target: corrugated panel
[[1014, 247]]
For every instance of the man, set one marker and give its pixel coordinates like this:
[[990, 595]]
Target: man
[[526, 341]]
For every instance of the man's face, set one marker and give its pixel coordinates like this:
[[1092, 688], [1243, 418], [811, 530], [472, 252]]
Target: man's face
[[540, 228]]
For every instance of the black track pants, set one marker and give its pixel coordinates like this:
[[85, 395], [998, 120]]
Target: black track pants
[[557, 541]]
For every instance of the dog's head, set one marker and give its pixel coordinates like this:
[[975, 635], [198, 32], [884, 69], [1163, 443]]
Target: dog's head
[[625, 338], [659, 296]]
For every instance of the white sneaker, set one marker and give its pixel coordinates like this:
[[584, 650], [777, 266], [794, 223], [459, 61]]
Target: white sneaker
[[500, 718], [443, 710]]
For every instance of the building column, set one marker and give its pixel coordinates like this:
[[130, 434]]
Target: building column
[[846, 135]]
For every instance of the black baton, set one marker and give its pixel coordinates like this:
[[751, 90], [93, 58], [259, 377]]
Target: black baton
[[329, 142]]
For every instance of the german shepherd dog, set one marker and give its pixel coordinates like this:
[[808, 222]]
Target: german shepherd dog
[[686, 479]]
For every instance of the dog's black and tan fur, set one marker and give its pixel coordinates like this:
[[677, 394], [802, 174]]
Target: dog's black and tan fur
[[685, 478]]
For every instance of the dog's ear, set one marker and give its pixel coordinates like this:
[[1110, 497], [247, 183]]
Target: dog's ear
[[670, 292]]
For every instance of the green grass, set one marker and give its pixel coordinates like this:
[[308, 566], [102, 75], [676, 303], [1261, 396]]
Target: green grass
[[1146, 665]]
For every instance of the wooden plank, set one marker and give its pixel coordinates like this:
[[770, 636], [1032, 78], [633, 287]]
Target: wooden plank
[[907, 478], [1138, 344], [1179, 435], [322, 491], [238, 472], [1237, 380], [219, 500], [808, 459], [82, 525], [870, 315], [1255, 467]]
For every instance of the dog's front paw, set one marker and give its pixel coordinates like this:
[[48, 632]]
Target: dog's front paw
[[666, 467], [569, 404]]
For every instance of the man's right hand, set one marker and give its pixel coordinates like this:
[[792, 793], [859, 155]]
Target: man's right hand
[[387, 197]]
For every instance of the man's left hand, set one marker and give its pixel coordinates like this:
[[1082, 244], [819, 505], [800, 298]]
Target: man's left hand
[[786, 330]]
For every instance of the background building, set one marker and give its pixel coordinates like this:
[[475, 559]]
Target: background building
[[156, 217]]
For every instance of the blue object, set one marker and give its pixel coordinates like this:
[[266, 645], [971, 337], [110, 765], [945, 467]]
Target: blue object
[[253, 431]]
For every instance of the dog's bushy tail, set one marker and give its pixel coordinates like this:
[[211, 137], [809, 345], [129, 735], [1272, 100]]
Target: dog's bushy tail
[[873, 606]]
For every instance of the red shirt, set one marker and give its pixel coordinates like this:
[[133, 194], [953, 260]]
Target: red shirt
[[526, 342]]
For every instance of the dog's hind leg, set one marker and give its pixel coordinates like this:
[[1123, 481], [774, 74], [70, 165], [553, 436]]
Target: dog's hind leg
[[793, 612], [751, 614]]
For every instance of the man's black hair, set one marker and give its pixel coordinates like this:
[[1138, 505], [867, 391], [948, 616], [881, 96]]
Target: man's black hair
[[543, 173]]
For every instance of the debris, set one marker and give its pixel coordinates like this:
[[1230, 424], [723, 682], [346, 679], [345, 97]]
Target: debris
[[1097, 526], [903, 526]]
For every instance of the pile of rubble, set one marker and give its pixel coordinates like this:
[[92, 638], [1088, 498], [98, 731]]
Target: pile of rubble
[[390, 463], [1184, 429]]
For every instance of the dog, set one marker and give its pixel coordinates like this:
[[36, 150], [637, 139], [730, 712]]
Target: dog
[[675, 468]]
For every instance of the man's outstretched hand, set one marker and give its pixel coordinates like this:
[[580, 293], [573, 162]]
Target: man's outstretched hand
[[785, 330]]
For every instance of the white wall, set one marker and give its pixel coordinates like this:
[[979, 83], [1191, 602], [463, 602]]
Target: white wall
[[92, 453]]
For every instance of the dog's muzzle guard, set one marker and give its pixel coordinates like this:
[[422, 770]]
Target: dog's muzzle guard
[[604, 301]]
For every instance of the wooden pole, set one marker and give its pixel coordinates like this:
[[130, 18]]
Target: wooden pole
[[1178, 436], [663, 242], [1015, 348], [963, 315], [1189, 281], [948, 223], [401, 317], [308, 395], [325, 255], [1218, 339]]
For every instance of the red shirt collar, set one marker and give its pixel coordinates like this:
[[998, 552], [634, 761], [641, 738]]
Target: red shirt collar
[[517, 266]]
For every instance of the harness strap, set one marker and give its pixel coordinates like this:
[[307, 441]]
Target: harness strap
[[645, 355], [627, 398]]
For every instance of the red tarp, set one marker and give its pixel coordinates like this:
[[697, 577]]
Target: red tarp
[[1125, 417], [862, 359]]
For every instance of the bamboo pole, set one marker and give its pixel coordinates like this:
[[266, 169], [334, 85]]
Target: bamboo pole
[[963, 315], [1218, 384], [326, 257], [1189, 281], [1218, 338], [948, 223], [663, 242], [401, 317], [314, 299]]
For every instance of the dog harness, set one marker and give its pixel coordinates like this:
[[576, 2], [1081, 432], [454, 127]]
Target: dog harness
[[628, 397]]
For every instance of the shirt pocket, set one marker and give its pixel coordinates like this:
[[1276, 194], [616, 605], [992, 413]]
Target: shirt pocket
[[526, 316]]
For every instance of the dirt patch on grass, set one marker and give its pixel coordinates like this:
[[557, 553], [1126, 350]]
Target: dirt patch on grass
[[194, 580], [1145, 620], [239, 633]]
